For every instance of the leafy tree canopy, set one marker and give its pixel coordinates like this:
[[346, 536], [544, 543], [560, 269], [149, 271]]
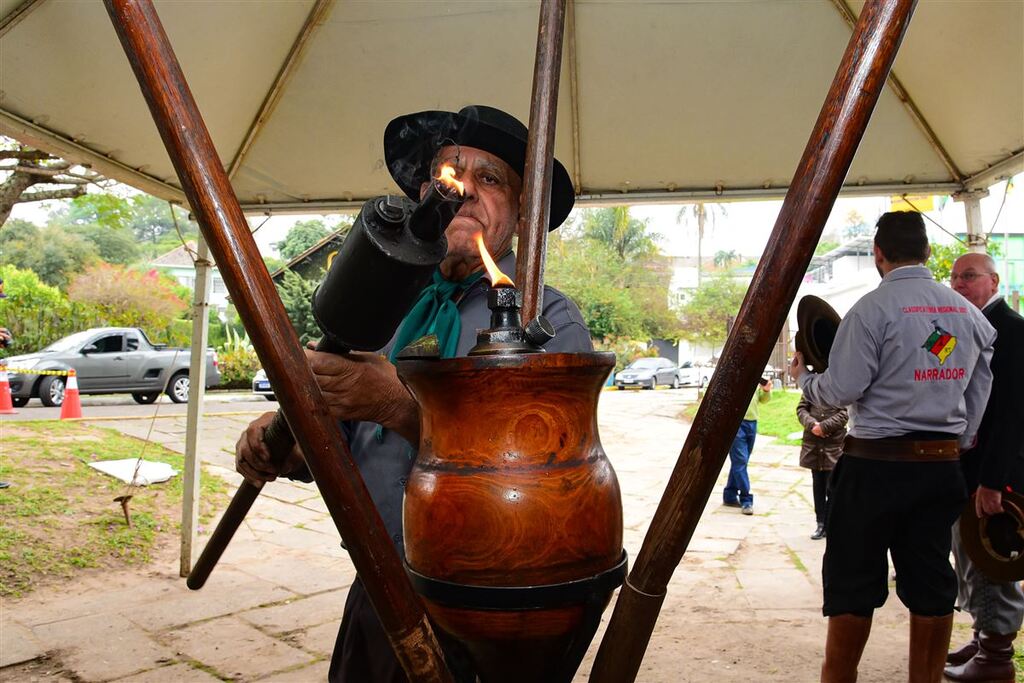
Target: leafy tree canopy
[[147, 296], [297, 297], [609, 265], [301, 237], [705, 313], [943, 256], [54, 254]]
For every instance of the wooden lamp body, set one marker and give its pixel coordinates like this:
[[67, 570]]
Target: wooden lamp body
[[511, 488]]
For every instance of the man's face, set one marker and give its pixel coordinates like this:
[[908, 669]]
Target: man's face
[[491, 207], [974, 279]]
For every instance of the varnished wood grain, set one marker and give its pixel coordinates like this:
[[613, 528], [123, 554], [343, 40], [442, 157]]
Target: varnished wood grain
[[511, 488], [226, 231]]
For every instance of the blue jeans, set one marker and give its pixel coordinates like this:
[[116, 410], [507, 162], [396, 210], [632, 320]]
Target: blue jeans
[[737, 489]]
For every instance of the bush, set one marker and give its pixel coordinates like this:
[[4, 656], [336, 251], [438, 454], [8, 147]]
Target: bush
[[238, 361]]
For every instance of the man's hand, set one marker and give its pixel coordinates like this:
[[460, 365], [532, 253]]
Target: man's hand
[[252, 458], [817, 430], [797, 367], [365, 387], [988, 501]]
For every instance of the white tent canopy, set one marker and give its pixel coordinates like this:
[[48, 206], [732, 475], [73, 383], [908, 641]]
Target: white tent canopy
[[659, 101]]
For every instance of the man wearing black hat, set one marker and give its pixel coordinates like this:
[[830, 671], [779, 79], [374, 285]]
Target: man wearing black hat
[[487, 148], [911, 360], [994, 465]]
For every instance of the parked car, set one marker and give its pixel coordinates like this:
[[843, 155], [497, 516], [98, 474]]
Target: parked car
[[107, 360], [689, 374], [704, 373], [648, 373], [261, 385]]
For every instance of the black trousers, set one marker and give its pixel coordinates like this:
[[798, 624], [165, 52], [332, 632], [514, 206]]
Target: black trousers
[[819, 484], [905, 508]]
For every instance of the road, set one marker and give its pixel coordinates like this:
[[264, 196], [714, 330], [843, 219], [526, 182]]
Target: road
[[122, 405]]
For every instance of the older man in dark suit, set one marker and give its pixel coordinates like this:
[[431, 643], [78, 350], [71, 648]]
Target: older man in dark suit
[[995, 463]]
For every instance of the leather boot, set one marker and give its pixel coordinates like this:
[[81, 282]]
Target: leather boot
[[992, 664], [929, 642], [847, 635], [964, 653]]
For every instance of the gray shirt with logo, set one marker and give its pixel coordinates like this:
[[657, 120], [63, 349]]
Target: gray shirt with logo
[[912, 355]]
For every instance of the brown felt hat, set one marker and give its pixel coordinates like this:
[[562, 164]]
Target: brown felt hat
[[996, 544], [817, 323]]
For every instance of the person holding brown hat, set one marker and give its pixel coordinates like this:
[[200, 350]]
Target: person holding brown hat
[[487, 148], [911, 362], [822, 444], [992, 467]]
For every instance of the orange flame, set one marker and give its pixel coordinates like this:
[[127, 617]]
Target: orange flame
[[497, 278], [447, 176]]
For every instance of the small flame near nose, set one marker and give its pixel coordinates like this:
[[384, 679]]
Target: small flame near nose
[[497, 278], [447, 177]]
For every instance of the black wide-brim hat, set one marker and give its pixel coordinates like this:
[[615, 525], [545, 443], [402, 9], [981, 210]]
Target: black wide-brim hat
[[817, 324], [996, 543], [411, 141]]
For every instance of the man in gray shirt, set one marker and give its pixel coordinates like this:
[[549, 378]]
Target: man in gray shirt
[[487, 148], [911, 360]]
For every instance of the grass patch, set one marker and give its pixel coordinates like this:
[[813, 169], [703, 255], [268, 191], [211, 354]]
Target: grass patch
[[777, 417], [797, 562], [59, 517]]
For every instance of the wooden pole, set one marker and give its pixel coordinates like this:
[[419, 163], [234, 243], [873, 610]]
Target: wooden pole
[[819, 176], [226, 232], [540, 148]]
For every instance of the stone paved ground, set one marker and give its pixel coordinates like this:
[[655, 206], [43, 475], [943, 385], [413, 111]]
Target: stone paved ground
[[742, 606]]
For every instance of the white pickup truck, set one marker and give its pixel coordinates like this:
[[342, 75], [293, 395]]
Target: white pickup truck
[[106, 360]]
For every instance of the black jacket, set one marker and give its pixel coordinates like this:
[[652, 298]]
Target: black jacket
[[997, 460]]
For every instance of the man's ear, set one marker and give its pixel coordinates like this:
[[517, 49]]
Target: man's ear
[[423, 189], [879, 256], [928, 252]]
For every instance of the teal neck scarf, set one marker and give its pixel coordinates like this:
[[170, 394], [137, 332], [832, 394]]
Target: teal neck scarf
[[435, 313]]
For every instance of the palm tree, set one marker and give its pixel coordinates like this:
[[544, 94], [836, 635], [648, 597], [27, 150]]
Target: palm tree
[[702, 213], [615, 228]]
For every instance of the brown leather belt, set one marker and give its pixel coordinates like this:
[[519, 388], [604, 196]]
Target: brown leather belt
[[902, 450]]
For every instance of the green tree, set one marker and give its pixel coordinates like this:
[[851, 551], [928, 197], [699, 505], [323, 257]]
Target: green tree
[[616, 229], [100, 208], [825, 247], [55, 255], [152, 218], [301, 237], [704, 216], [113, 245], [609, 265], [943, 256], [705, 314], [297, 297], [724, 259]]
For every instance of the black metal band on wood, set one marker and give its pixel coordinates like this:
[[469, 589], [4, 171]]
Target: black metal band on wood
[[520, 598]]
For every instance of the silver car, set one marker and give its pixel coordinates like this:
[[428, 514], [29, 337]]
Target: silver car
[[647, 373]]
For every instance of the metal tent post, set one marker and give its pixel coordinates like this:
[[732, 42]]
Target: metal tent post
[[196, 394]]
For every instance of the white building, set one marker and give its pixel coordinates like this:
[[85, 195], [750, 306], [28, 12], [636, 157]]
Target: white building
[[178, 264]]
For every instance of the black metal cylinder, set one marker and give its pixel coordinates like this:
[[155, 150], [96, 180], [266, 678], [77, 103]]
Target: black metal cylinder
[[382, 261]]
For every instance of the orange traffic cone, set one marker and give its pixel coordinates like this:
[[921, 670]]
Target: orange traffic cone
[[72, 407], [6, 405]]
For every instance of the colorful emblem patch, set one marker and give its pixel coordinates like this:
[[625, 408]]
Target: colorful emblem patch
[[940, 343]]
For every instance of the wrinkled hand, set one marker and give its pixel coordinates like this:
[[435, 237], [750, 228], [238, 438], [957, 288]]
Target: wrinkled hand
[[252, 458], [797, 367], [988, 501], [365, 387], [817, 430]]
